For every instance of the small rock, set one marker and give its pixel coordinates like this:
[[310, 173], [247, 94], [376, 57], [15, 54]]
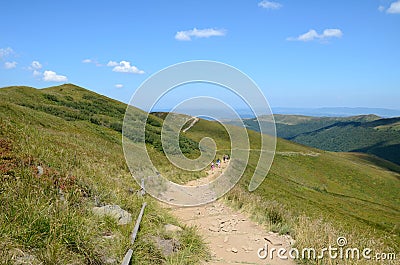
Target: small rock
[[226, 239], [172, 228], [61, 194], [273, 242], [114, 211], [224, 220], [39, 171], [215, 223], [167, 246], [226, 229], [26, 259], [108, 260], [214, 229], [234, 250], [19, 257]]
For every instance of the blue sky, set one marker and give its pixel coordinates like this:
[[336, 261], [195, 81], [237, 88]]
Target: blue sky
[[300, 53]]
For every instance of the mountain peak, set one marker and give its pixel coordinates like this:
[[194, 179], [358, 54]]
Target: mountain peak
[[69, 86]]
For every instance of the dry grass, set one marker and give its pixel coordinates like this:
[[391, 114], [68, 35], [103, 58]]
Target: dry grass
[[308, 232]]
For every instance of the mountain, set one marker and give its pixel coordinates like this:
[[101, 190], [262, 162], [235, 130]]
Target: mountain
[[369, 134], [75, 136], [247, 113], [337, 112]]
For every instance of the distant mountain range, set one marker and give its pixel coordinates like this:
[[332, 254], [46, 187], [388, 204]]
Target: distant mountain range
[[338, 111], [364, 133], [314, 112]]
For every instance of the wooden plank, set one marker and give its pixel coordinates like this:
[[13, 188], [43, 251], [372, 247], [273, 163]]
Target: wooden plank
[[139, 219], [127, 258]]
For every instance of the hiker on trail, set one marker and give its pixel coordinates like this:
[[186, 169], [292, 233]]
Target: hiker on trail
[[218, 163], [212, 166], [226, 158]]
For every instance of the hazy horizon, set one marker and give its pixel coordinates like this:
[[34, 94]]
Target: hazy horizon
[[317, 112]]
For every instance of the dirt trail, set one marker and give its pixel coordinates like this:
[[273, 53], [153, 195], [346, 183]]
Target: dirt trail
[[231, 236], [195, 119]]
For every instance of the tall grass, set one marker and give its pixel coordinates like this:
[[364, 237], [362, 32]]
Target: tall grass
[[49, 217]]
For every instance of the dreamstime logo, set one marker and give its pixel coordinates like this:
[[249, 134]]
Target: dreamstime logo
[[340, 251], [138, 130]]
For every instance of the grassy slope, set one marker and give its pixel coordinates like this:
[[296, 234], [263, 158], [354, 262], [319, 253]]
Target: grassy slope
[[318, 198], [71, 135], [314, 198], [366, 133]]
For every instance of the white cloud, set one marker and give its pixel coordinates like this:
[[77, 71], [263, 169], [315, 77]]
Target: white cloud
[[10, 65], [394, 8], [329, 33], [182, 35], [269, 4], [119, 85], [381, 8], [51, 76], [199, 33], [310, 35], [313, 35], [5, 52], [36, 65], [36, 73], [112, 63], [124, 67], [92, 61]]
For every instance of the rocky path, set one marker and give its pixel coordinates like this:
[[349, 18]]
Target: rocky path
[[231, 236]]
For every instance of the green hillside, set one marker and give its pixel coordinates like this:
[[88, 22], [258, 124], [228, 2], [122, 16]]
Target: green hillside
[[366, 133], [74, 135], [317, 196], [313, 195]]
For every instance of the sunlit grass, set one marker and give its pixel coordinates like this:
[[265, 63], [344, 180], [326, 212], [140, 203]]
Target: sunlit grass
[[49, 217]]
